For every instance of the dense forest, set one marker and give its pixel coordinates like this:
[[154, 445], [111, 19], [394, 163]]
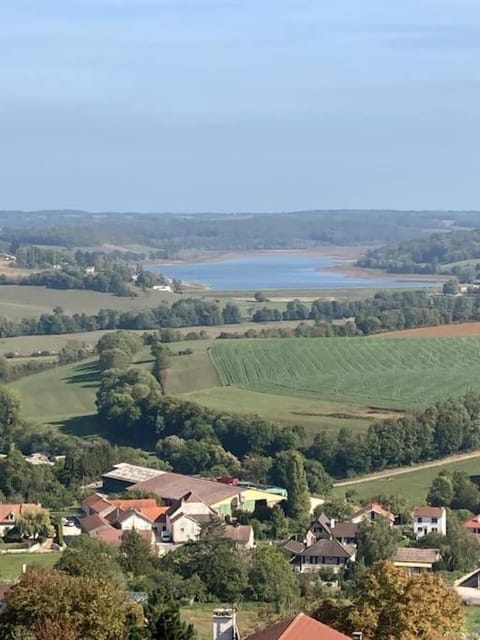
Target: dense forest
[[167, 234], [432, 254]]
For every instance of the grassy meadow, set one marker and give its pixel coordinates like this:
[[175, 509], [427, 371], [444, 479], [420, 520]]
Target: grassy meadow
[[17, 302], [11, 563], [413, 485]]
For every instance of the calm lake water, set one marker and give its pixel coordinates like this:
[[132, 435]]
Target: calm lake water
[[274, 271]]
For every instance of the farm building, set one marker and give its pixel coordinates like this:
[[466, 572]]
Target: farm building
[[172, 488]]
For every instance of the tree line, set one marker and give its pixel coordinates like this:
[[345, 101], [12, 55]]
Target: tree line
[[385, 311], [446, 428]]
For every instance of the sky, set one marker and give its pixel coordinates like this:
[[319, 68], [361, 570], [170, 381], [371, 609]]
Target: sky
[[239, 105]]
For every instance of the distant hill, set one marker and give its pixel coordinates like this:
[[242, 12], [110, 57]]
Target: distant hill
[[168, 234], [456, 253]]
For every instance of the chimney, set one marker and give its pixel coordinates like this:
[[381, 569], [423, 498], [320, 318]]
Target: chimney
[[357, 635], [332, 523], [225, 625]]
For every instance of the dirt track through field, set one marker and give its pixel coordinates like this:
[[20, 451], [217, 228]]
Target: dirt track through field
[[447, 330], [389, 473]]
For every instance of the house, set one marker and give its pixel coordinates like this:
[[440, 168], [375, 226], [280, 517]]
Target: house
[[372, 512], [241, 534], [327, 528], [468, 588], [473, 525], [322, 554], [345, 533], [429, 520], [9, 513], [416, 560], [182, 527], [300, 627], [321, 527], [107, 518]]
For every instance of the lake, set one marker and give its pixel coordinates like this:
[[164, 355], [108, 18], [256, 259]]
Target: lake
[[275, 270]]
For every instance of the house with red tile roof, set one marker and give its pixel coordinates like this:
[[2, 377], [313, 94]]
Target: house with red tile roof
[[9, 513], [372, 512], [429, 520], [473, 525], [300, 627]]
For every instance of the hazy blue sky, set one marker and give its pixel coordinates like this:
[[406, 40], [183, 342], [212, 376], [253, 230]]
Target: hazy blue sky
[[189, 105]]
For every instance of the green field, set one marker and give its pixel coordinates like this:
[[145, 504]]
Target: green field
[[413, 485], [64, 396], [17, 302], [11, 563], [393, 374]]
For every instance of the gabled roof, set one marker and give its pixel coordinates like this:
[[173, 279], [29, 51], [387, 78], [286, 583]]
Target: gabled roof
[[376, 508], [345, 530], [109, 535], [330, 548], [135, 503], [154, 514], [92, 523], [241, 533], [16, 509], [125, 514], [301, 627], [428, 512], [175, 486], [412, 555], [322, 520], [292, 546]]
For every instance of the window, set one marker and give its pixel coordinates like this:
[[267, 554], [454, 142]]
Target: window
[[419, 520], [434, 530], [434, 520]]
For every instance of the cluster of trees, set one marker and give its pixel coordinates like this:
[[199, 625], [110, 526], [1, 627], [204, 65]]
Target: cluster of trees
[[112, 279], [116, 350], [302, 330], [454, 490], [383, 312], [445, 428], [188, 312], [429, 255]]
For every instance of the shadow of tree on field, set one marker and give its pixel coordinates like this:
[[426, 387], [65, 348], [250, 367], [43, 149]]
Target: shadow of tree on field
[[87, 373]]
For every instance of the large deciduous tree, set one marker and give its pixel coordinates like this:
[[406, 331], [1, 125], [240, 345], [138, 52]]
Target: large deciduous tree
[[377, 541], [389, 604], [70, 607]]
